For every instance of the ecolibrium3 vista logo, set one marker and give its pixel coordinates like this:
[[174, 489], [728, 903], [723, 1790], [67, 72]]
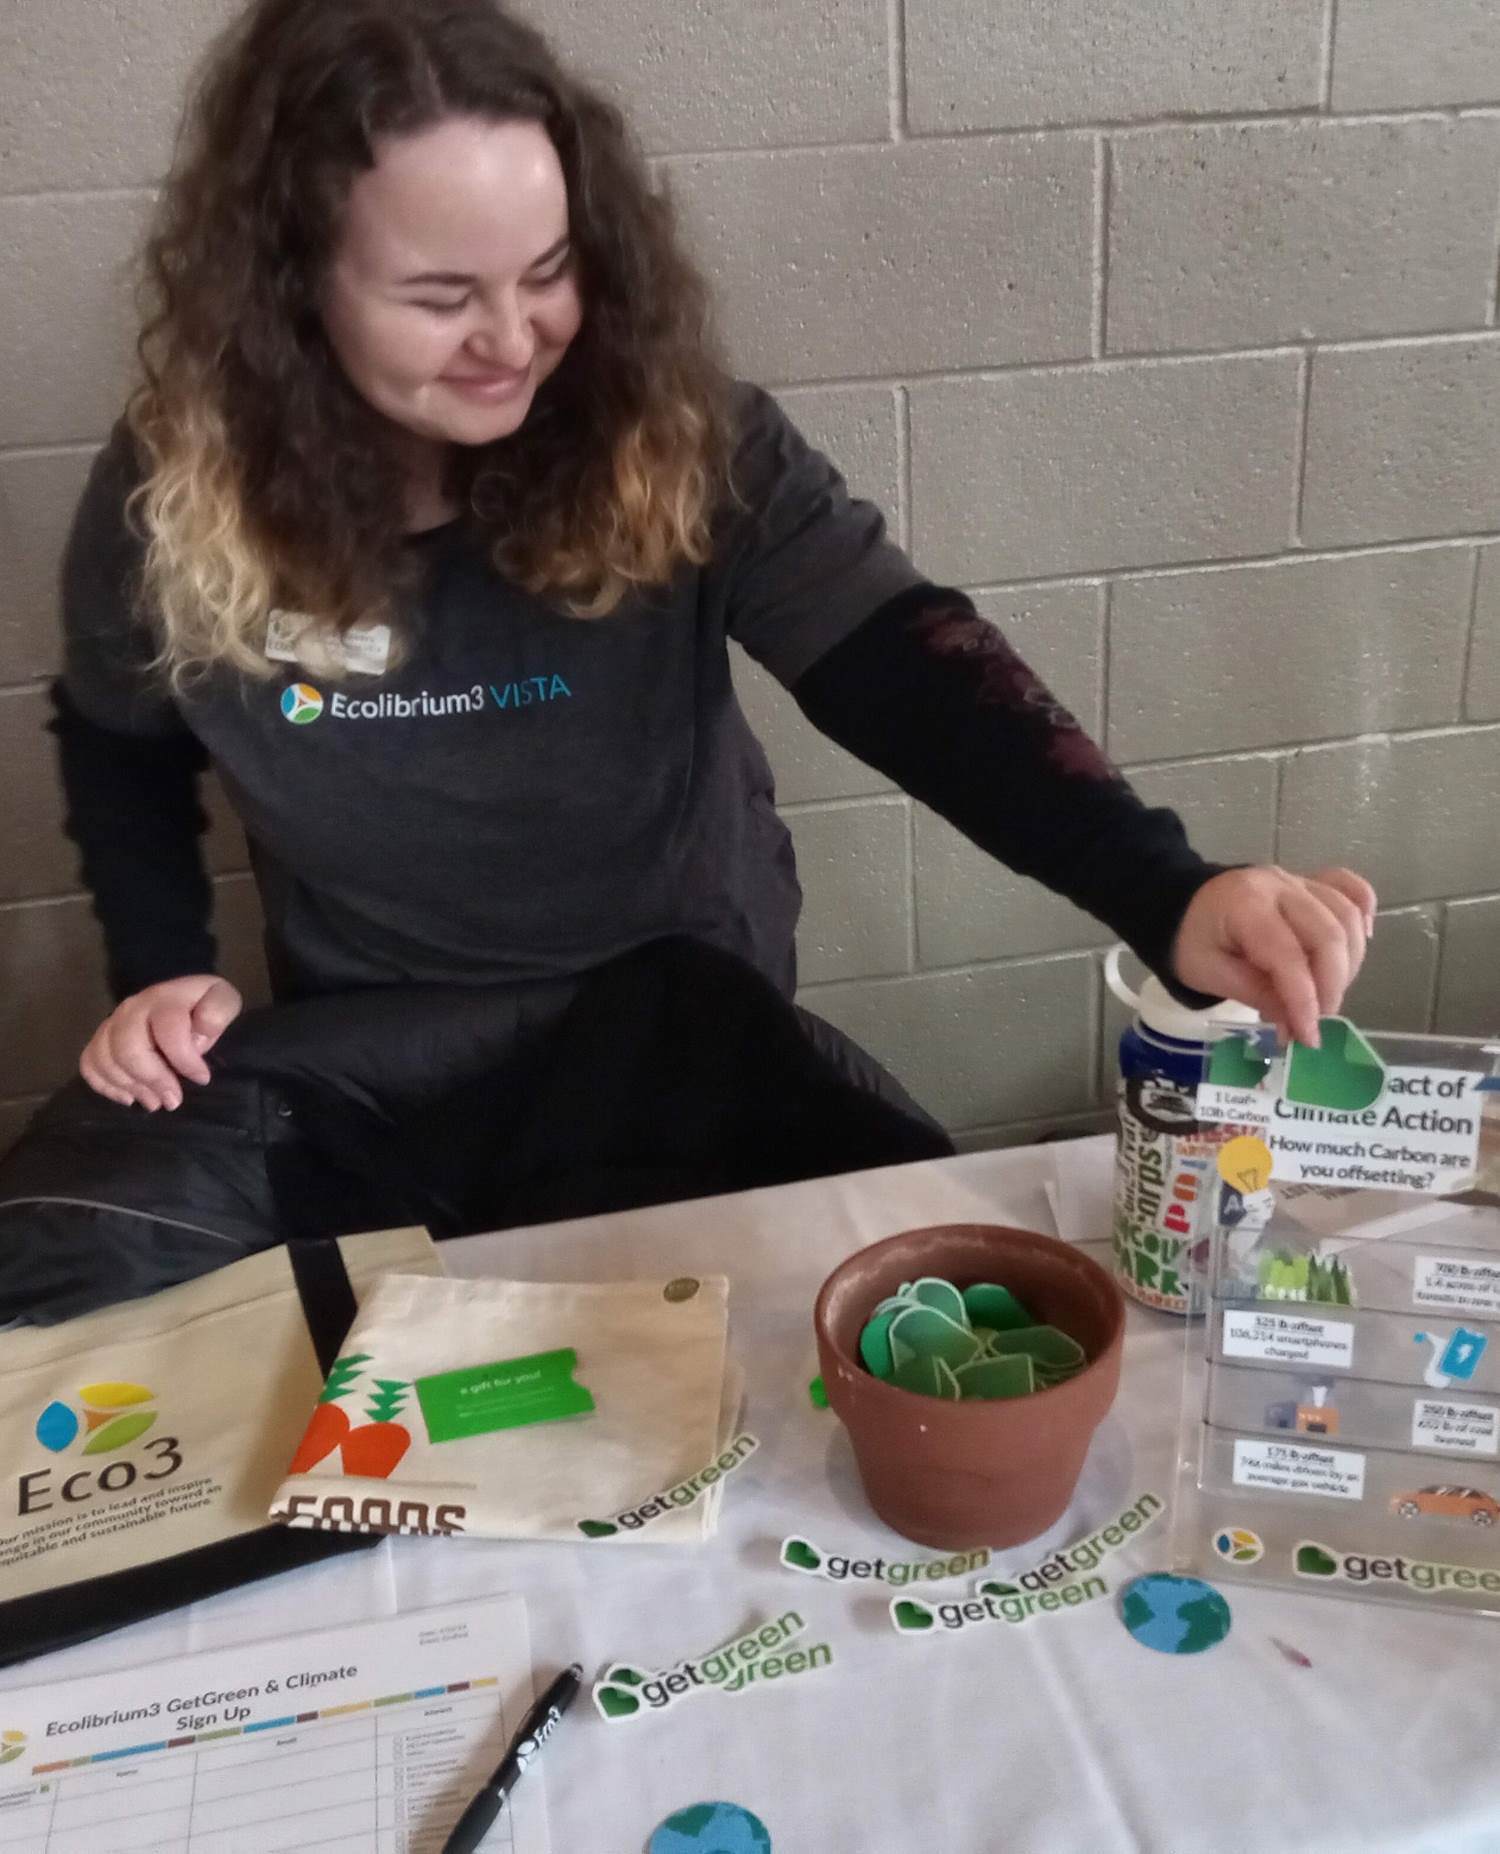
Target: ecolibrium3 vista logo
[[302, 704], [103, 1419]]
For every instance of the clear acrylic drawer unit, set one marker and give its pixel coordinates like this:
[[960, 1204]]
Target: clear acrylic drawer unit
[[1340, 1427]]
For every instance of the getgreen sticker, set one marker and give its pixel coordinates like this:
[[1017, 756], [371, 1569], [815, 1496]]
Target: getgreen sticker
[[509, 1394]]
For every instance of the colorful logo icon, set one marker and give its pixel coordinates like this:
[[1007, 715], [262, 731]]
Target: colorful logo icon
[[110, 1415], [301, 703], [12, 1744], [1238, 1545]]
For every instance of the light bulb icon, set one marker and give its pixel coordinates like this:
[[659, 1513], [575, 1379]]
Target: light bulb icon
[[1245, 1163]]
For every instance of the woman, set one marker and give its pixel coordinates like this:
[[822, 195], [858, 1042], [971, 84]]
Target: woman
[[428, 527]]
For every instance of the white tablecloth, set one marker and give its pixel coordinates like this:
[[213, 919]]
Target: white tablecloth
[[1061, 1736]]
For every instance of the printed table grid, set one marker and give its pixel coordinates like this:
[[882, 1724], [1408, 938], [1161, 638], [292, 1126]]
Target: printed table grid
[[284, 1786]]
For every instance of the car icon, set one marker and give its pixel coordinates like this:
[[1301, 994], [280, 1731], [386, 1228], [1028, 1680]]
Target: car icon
[[1471, 1503]]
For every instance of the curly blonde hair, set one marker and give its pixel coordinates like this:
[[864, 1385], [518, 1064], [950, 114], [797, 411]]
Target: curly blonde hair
[[267, 479]]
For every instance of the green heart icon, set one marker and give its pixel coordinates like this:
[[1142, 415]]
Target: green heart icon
[[616, 1703], [1343, 1073], [622, 1674], [799, 1554], [1236, 1063], [597, 1528], [1313, 1561], [993, 1587], [912, 1616]]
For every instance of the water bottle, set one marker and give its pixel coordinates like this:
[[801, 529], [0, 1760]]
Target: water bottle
[[1164, 1158]]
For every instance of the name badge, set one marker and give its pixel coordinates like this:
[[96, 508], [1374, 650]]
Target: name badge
[[291, 637]]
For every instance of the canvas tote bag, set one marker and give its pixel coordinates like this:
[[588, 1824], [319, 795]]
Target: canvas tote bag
[[140, 1445]]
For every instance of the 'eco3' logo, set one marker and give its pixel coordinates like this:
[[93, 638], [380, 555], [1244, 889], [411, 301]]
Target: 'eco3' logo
[[107, 1417], [301, 703], [111, 1417]]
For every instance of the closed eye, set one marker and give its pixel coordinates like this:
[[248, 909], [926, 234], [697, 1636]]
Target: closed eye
[[557, 272], [445, 308]]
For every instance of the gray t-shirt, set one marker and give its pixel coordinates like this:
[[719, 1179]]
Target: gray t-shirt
[[527, 795]]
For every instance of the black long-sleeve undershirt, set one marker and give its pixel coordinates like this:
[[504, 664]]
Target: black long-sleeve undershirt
[[930, 694], [132, 808]]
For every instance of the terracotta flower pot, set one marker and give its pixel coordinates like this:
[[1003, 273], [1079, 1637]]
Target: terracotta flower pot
[[960, 1475]]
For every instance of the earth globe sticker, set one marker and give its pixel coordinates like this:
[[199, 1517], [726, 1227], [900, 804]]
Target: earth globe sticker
[[1174, 1615], [711, 1828]]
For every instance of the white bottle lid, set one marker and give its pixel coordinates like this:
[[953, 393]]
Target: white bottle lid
[[1160, 1013]]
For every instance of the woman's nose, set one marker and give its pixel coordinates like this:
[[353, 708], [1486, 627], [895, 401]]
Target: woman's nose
[[504, 340]]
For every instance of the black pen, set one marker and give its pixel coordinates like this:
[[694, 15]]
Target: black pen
[[536, 1728]]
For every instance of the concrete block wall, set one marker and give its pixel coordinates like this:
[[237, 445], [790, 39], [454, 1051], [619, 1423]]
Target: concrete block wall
[[1166, 327]]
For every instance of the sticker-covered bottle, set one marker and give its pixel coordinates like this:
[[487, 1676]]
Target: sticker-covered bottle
[[1164, 1157]]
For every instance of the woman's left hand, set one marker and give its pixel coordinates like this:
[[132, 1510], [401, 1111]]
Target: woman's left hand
[[1288, 945]]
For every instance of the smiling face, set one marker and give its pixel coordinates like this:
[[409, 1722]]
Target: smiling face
[[451, 295]]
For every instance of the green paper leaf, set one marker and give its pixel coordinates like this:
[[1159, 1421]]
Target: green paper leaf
[[920, 1376], [994, 1307], [875, 1345], [1234, 1062], [893, 1303], [912, 1616], [817, 1394], [1052, 1350], [799, 1554], [597, 1528], [942, 1296], [1313, 1561], [997, 1377], [992, 1586], [923, 1332], [1344, 1074]]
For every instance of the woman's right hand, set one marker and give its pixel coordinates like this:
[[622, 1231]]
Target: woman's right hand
[[137, 1054]]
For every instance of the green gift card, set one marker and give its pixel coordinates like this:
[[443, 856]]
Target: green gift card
[[506, 1395]]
